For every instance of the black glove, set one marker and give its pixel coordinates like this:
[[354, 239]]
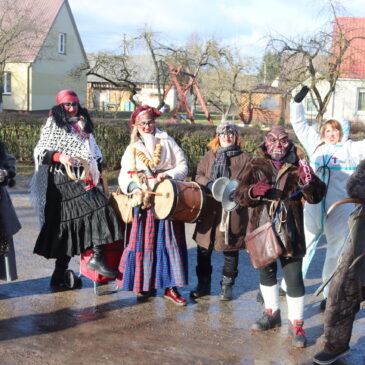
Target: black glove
[[301, 94]]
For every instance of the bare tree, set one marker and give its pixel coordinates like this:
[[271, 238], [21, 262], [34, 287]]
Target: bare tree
[[127, 69], [316, 58], [223, 83]]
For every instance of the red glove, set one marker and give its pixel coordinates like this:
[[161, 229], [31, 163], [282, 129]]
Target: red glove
[[304, 172], [261, 188]]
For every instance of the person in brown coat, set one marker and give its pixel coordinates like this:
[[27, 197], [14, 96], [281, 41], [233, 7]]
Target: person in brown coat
[[216, 229], [279, 179]]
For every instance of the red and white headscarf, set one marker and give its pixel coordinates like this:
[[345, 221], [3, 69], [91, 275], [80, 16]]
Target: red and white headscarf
[[142, 113], [67, 96]]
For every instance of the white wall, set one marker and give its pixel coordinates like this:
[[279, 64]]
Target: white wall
[[343, 103]]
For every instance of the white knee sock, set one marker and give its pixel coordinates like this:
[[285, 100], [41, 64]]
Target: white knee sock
[[271, 296], [283, 284], [295, 308]]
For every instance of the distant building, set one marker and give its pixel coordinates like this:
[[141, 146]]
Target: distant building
[[348, 98], [32, 78], [262, 104], [102, 94]]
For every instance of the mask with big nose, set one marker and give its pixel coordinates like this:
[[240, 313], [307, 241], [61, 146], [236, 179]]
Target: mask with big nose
[[277, 143]]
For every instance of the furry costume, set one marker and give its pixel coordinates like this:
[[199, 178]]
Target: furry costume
[[347, 286]]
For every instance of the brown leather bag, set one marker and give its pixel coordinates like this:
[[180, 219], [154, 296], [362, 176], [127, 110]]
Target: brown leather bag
[[122, 204], [263, 245]]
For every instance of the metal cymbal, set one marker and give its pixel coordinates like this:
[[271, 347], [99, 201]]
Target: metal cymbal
[[228, 201], [218, 188]]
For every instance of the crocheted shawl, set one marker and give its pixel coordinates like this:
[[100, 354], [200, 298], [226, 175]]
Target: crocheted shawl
[[72, 143]]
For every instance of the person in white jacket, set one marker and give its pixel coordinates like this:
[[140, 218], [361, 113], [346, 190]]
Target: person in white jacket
[[334, 158], [156, 255]]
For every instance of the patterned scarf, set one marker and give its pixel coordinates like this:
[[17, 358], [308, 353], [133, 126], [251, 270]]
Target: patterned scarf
[[221, 162], [54, 138]]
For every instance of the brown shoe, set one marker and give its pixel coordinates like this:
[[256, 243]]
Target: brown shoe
[[173, 295]]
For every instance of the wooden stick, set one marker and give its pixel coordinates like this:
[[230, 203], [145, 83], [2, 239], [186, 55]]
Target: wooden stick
[[166, 195]]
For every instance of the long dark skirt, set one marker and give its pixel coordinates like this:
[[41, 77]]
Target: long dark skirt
[[75, 219]]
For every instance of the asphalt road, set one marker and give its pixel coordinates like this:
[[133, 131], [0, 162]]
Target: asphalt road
[[38, 326]]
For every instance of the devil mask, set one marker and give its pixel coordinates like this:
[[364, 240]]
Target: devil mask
[[277, 142]]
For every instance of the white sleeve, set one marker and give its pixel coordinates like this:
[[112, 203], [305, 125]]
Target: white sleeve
[[180, 170], [124, 178], [357, 150], [345, 125], [306, 134]]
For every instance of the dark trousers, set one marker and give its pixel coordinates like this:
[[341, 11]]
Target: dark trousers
[[292, 269], [204, 267]]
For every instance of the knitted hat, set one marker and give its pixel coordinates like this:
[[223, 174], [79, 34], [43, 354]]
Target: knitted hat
[[67, 96], [226, 127]]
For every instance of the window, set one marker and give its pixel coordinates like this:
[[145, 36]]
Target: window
[[310, 106], [7, 83], [62, 43], [270, 103], [361, 100]]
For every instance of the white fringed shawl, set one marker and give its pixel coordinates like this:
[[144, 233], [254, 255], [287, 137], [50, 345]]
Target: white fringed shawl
[[74, 144]]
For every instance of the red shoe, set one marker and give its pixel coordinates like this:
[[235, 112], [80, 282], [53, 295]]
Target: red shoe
[[173, 295]]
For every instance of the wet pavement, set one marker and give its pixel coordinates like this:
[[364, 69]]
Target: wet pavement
[[38, 326]]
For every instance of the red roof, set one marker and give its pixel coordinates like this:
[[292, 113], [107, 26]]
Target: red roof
[[35, 17], [353, 65]]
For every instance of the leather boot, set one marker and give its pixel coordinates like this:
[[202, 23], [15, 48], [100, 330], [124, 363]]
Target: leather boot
[[204, 282], [58, 276], [330, 354], [297, 334], [203, 272], [97, 263], [226, 288], [173, 295], [268, 321]]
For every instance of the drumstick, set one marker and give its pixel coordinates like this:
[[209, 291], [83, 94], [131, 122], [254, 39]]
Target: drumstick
[[166, 195]]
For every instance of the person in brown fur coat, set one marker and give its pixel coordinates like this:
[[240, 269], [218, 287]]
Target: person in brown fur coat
[[347, 288], [281, 177]]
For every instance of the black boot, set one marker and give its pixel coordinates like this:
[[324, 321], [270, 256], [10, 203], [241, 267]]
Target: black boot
[[58, 276], [226, 288], [204, 283], [203, 273], [229, 274], [97, 263]]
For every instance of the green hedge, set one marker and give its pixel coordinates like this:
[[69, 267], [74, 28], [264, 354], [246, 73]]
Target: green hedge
[[21, 133]]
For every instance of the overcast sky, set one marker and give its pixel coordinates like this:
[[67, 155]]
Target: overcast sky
[[244, 23]]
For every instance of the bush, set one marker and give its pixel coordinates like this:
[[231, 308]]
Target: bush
[[21, 133]]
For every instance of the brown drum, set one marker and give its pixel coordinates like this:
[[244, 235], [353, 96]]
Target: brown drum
[[178, 200]]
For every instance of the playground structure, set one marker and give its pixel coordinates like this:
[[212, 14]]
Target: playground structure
[[189, 80]]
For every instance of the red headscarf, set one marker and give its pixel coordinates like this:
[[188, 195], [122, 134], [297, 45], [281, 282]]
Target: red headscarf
[[145, 110], [67, 96]]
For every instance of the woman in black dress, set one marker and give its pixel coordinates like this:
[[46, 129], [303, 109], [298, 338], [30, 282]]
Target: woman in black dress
[[73, 215]]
